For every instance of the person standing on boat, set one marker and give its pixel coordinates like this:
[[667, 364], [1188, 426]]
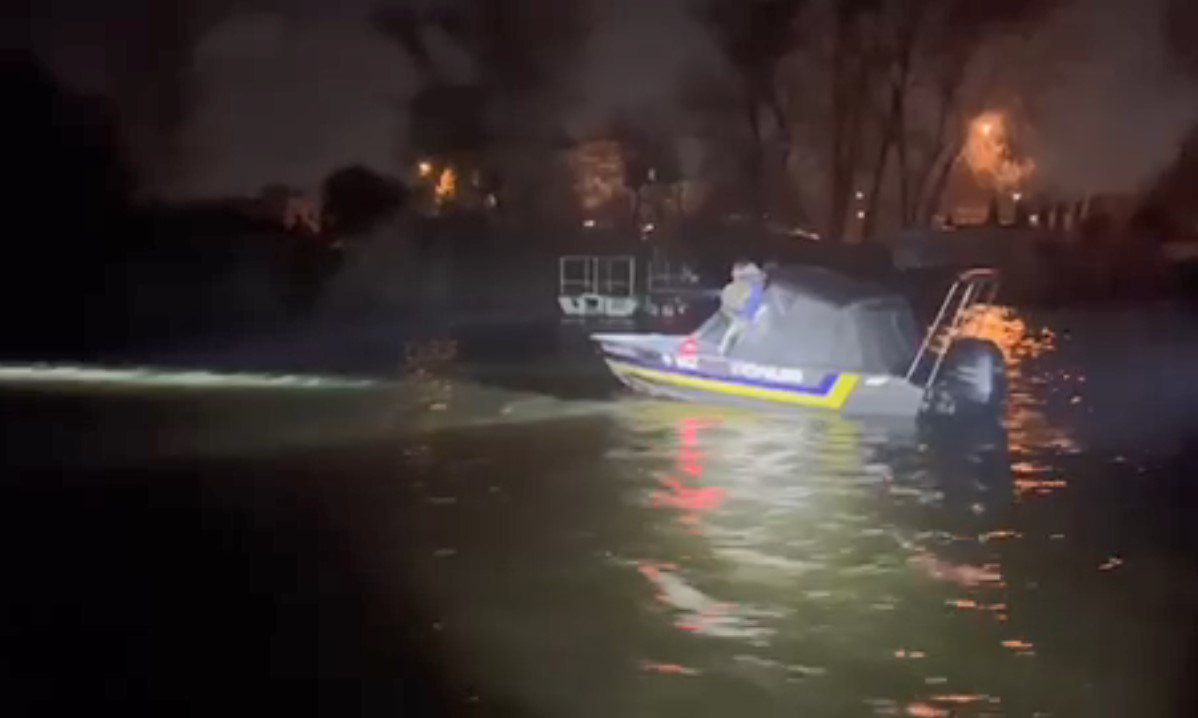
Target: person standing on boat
[[741, 299]]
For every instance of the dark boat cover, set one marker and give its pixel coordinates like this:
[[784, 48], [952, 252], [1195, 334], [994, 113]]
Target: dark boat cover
[[813, 317]]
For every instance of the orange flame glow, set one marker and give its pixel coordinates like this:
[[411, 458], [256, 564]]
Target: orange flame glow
[[447, 186], [989, 154]]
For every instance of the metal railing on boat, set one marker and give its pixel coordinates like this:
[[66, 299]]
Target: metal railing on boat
[[970, 288]]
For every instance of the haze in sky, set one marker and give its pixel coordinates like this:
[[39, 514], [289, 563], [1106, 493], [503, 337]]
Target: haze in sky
[[224, 99]]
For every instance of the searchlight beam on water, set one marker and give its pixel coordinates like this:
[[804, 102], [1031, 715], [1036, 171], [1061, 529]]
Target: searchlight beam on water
[[150, 377]]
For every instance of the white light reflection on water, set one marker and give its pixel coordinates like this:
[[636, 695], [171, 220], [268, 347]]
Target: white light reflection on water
[[142, 377]]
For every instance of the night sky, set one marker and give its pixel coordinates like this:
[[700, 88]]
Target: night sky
[[222, 97]]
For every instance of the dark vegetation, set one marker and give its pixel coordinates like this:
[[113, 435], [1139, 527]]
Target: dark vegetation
[[91, 274]]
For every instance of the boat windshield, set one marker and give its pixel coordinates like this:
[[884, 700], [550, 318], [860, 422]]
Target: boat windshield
[[711, 333]]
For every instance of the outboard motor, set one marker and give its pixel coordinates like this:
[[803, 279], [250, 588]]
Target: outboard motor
[[971, 384]]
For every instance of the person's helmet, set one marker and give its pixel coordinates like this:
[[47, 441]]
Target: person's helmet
[[746, 270]]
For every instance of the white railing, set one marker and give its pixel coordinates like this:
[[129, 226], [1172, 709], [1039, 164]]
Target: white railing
[[595, 274], [661, 277], [597, 286]]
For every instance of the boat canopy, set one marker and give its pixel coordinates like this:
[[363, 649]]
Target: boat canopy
[[814, 317]]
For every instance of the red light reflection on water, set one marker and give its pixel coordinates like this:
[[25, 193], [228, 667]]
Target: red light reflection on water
[[689, 463], [1019, 645], [699, 613], [947, 704], [925, 710], [669, 669], [683, 497]]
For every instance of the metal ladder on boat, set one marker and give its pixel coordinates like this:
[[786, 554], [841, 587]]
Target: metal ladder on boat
[[971, 287]]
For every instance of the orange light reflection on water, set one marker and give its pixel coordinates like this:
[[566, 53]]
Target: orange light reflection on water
[[1012, 334], [1029, 431]]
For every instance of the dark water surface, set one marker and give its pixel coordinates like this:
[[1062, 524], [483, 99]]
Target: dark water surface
[[522, 539]]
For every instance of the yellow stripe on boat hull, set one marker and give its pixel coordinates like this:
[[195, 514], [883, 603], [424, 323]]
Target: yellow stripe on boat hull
[[834, 399]]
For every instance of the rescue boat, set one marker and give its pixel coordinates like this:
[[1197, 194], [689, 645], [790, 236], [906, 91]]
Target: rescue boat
[[822, 340]]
